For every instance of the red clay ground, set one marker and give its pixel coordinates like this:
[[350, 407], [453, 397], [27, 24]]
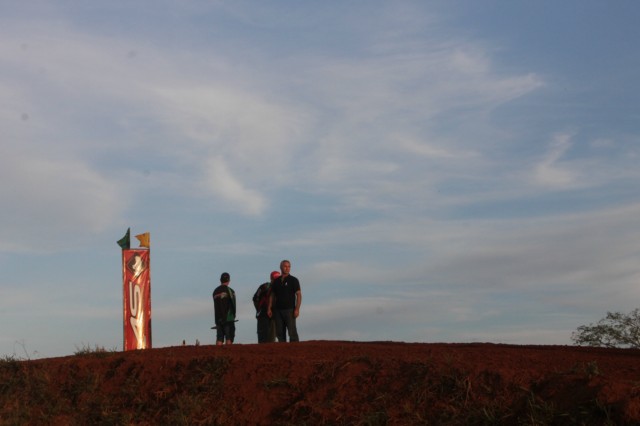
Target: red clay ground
[[327, 382]]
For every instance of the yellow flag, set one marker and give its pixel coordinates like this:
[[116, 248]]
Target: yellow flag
[[144, 239]]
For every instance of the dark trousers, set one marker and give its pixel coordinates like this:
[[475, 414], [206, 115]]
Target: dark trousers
[[226, 330], [266, 329], [285, 321]]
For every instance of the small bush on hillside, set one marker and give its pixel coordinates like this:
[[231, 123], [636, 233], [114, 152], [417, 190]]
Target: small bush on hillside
[[96, 350]]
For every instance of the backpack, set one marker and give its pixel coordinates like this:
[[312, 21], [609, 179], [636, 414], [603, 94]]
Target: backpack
[[261, 297]]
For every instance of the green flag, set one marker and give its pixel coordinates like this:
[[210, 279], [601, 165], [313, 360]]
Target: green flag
[[125, 242]]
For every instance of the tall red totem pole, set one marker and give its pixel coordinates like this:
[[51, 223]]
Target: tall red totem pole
[[136, 300]]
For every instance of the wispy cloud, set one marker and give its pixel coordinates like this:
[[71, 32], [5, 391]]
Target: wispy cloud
[[221, 182], [53, 197], [549, 172]]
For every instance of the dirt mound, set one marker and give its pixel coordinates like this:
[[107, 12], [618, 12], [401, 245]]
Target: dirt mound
[[327, 382]]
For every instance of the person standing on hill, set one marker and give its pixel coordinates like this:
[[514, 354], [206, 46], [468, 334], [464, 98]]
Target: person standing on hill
[[224, 304], [261, 299], [285, 301]]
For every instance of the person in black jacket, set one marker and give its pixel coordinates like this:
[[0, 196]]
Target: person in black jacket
[[224, 304], [266, 325]]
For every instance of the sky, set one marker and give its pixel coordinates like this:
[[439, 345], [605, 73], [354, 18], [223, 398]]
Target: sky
[[435, 171]]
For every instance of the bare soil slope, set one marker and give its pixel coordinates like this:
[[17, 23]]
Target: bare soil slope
[[327, 382]]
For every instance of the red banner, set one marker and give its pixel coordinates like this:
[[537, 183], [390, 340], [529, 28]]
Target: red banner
[[136, 275]]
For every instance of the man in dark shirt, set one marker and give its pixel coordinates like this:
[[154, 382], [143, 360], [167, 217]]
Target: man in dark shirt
[[285, 302]]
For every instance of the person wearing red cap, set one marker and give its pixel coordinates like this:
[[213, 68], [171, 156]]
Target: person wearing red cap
[[266, 325]]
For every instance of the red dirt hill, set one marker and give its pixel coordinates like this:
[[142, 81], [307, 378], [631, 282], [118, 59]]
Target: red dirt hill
[[327, 382]]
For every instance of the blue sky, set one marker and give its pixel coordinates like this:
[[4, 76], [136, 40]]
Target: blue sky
[[445, 171]]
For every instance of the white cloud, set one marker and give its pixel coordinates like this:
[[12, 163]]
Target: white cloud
[[380, 144], [549, 172], [87, 82], [221, 182], [604, 162], [51, 198], [568, 256], [425, 149]]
